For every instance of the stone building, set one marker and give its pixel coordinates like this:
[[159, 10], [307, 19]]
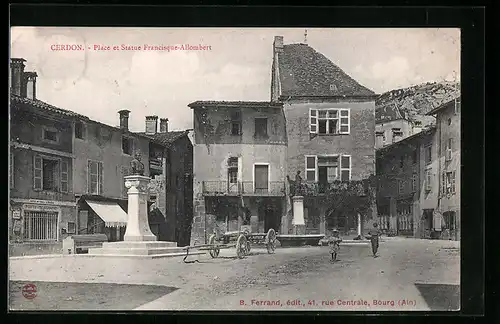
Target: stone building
[[330, 123], [239, 166], [42, 205], [408, 188], [449, 164], [171, 170]]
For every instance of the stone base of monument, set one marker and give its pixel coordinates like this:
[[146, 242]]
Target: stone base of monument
[[141, 249]]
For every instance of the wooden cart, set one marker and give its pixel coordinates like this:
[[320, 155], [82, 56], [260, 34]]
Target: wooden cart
[[241, 240]]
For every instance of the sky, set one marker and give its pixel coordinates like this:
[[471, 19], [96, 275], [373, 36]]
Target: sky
[[236, 67]]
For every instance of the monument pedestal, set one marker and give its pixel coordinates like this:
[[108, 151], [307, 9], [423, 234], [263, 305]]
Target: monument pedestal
[[139, 241], [299, 225]]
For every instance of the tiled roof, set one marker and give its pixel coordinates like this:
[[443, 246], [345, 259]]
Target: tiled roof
[[43, 105], [305, 72], [240, 104], [445, 104], [414, 102], [165, 139], [429, 130]]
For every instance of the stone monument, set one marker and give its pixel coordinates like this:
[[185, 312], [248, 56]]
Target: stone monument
[[139, 241]]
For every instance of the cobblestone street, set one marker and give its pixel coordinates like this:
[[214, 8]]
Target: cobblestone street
[[410, 274]]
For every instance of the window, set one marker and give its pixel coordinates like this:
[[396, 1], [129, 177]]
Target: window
[[94, 172], [12, 170], [236, 123], [311, 168], [449, 183], [71, 228], [127, 145], [47, 176], [64, 176], [449, 149], [345, 168], [402, 161], [428, 154], [325, 168], [261, 127], [328, 167], [232, 169], [428, 179], [40, 226], [329, 121], [79, 130], [414, 157], [236, 128], [414, 179], [50, 135], [401, 187]]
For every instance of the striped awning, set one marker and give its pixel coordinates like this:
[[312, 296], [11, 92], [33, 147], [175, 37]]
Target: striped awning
[[110, 212]]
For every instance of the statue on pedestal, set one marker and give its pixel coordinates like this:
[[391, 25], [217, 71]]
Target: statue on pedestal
[[298, 184], [136, 166]]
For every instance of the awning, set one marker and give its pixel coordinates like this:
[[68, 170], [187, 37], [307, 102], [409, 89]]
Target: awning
[[110, 212]]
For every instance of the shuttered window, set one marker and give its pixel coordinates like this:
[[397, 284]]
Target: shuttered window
[[94, 174], [64, 176], [37, 172]]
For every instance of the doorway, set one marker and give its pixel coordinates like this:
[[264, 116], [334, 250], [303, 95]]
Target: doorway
[[261, 178]]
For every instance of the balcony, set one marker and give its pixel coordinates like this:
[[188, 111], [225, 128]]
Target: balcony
[[244, 188], [319, 189]]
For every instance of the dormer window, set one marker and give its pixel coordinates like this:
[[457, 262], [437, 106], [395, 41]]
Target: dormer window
[[50, 135], [333, 87]]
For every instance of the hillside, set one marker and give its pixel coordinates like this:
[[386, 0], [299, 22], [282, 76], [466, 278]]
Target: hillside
[[413, 102]]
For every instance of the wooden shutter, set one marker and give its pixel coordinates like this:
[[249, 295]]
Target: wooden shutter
[[99, 178], [453, 182], [37, 173], [443, 183], [313, 121], [64, 176], [89, 177], [345, 121]]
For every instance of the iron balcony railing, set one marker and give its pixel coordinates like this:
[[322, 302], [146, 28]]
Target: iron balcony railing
[[320, 188], [248, 188]]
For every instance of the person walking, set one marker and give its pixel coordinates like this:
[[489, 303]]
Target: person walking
[[373, 236], [334, 244]]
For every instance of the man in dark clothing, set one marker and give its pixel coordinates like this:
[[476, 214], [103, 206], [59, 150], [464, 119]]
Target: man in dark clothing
[[373, 235]]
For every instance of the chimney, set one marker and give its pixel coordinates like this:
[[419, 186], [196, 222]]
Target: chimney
[[151, 124], [278, 44], [163, 125], [417, 127], [29, 85], [124, 119], [16, 74]]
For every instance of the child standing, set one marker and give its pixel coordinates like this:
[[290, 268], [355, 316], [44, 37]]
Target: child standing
[[373, 235], [334, 244]]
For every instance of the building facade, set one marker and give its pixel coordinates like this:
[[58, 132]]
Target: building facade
[[240, 166], [408, 186], [448, 123], [42, 205], [171, 170], [330, 123]]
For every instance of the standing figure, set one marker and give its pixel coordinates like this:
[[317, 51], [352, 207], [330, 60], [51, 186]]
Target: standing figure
[[298, 184], [334, 244], [373, 235], [136, 165]]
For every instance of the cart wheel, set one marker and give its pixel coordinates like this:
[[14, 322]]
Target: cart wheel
[[271, 241], [214, 252], [241, 246]]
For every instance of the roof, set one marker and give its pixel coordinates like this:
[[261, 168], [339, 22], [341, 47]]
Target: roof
[[165, 139], [237, 104], [411, 102], [426, 131], [444, 105], [44, 106], [305, 72]]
